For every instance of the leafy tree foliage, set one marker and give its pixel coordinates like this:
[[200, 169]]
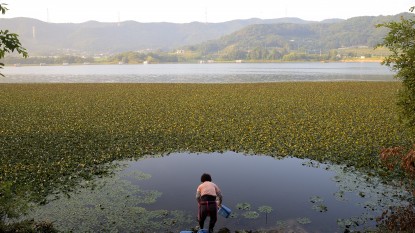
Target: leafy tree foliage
[[9, 42], [290, 41], [401, 42]]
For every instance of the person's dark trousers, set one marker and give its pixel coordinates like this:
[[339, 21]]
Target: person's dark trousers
[[208, 207]]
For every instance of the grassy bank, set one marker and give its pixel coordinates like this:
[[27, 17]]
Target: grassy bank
[[52, 134]]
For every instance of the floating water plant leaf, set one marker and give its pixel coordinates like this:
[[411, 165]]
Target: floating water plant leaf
[[371, 205], [303, 221], [311, 164], [345, 223], [320, 208], [138, 175], [233, 215], [340, 196], [282, 224], [336, 178], [351, 222], [243, 206], [251, 214], [354, 221], [316, 199], [265, 209]]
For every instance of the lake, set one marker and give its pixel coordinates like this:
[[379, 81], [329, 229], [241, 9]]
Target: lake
[[157, 194], [198, 73]]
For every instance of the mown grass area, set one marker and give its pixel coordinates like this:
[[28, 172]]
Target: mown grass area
[[53, 134]]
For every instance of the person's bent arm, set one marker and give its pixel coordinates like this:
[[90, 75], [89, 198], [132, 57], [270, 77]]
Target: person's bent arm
[[219, 197]]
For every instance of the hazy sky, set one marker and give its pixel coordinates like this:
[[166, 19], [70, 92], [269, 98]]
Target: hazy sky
[[185, 11]]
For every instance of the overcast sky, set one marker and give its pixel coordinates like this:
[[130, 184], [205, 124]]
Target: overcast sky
[[185, 11]]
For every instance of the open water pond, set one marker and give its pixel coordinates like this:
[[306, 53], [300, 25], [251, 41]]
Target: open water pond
[[157, 194]]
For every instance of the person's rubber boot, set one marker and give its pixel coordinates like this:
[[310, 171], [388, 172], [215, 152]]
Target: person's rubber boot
[[210, 230]]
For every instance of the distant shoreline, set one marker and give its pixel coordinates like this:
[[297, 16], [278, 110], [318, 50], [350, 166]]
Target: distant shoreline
[[214, 62]]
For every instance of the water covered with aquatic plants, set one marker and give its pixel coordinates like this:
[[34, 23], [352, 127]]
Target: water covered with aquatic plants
[[55, 135], [285, 194]]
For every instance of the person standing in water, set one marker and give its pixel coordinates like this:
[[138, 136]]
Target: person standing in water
[[209, 197]]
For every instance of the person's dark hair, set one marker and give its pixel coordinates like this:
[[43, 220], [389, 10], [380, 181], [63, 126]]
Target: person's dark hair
[[205, 177]]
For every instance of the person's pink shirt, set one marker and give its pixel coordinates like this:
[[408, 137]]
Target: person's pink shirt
[[208, 188]]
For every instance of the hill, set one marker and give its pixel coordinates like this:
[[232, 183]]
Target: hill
[[273, 41], [251, 39], [41, 38]]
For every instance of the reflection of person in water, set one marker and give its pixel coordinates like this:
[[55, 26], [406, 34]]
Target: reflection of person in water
[[209, 197]]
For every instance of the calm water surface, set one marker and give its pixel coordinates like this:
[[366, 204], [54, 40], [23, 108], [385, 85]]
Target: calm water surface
[[198, 73], [305, 196]]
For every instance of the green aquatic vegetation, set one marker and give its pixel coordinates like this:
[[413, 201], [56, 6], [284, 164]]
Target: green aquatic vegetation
[[282, 224], [54, 136], [316, 199], [138, 175], [251, 214], [233, 215], [245, 209], [340, 196], [374, 193], [265, 209], [336, 178], [243, 206], [348, 223], [11, 205], [320, 208], [303, 220], [114, 204], [311, 163]]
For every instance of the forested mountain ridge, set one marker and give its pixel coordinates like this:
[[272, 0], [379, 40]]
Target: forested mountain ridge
[[95, 37], [252, 39], [276, 40]]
